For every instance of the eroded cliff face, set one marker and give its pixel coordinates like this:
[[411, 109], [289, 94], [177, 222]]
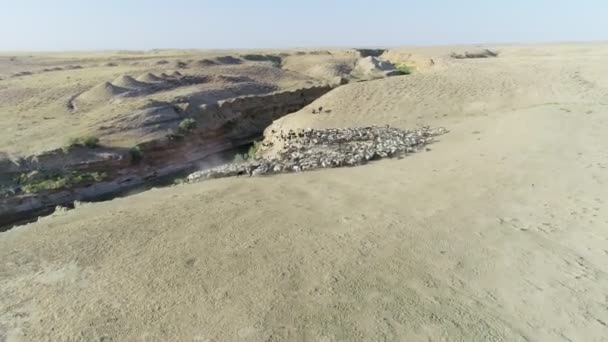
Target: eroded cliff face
[[226, 124], [221, 126], [253, 113]]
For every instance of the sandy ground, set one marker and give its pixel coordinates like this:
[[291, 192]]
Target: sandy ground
[[48, 98], [498, 233]]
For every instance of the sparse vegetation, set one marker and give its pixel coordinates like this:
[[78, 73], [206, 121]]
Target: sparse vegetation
[[403, 69], [136, 154], [57, 181], [251, 153], [85, 141], [239, 158], [253, 150], [187, 125]]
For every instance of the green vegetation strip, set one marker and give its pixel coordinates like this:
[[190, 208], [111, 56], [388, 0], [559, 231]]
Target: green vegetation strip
[[46, 182]]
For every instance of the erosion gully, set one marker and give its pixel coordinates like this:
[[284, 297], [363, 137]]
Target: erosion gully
[[230, 127]]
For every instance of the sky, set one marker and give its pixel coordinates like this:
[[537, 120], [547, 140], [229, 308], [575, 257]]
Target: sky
[[148, 24]]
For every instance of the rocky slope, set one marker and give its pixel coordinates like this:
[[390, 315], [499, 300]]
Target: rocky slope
[[310, 149]]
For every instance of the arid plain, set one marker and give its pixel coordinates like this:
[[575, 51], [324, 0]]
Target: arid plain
[[495, 232]]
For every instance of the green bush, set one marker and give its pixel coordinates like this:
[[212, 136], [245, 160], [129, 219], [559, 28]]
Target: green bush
[[253, 150], [91, 142], [403, 69], [250, 154], [47, 184], [187, 125], [85, 141]]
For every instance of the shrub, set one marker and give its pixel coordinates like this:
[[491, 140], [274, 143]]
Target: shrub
[[253, 150], [187, 125], [136, 154], [250, 154], [47, 184], [403, 69], [91, 142], [85, 141]]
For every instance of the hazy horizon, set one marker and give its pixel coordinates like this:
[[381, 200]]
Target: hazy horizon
[[32, 25]]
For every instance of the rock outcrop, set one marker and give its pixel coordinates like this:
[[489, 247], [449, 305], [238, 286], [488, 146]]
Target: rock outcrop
[[369, 67], [311, 149], [370, 52]]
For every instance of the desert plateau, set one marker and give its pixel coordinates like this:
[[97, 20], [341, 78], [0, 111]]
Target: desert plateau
[[440, 193]]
